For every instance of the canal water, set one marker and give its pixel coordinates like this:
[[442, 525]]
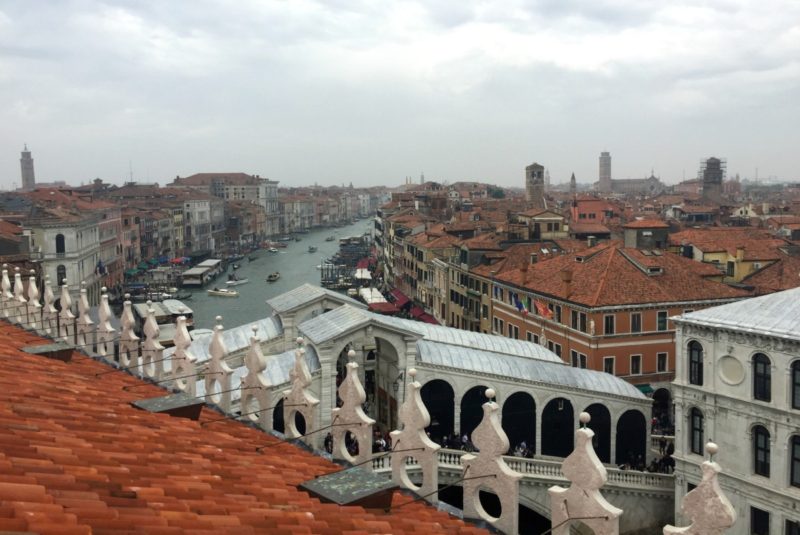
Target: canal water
[[295, 264]]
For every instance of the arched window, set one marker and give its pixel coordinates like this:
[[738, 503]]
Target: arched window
[[61, 274], [794, 467], [762, 389], [695, 363], [60, 247], [696, 435], [761, 451], [796, 384]]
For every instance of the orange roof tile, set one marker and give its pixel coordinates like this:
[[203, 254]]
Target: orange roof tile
[[76, 458]]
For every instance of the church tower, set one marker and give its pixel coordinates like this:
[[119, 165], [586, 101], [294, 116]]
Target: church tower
[[573, 186], [534, 185], [26, 164]]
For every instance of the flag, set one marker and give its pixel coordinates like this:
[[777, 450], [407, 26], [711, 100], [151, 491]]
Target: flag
[[542, 309], [520, 306]]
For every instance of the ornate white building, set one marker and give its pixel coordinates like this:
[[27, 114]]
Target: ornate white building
[[738, 384]]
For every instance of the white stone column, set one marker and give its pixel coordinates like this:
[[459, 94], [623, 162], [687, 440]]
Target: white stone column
[[128, 341], [152, 350], [255, 397], [49, 312], [20, 303], [85, 323], [105, 332], [34, 307], [218, 376], [66, 318], [350, 417], [6, 297], [299, 399], [184, 369]]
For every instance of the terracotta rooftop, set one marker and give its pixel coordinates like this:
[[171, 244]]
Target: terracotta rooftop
[[76, 458], [783, 274], [646, 223], [610, 275], [584, 227]]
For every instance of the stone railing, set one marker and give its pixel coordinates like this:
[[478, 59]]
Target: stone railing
[[655, 440], [450, 460]]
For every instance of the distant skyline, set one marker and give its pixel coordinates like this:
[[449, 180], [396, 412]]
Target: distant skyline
[[336, 92]]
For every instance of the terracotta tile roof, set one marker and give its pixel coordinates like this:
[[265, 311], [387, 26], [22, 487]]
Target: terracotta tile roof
[[780, 275], [76, 458], [583, 227], [608, 275], [757, 244], [646, 223]]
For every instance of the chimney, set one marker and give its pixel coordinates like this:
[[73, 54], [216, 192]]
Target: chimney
[[591, 241], [739, 253], [566, 278], [534, 258]]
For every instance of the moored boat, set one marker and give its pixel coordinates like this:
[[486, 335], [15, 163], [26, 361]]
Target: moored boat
[[330, 238], [272, 250], [237, 282], [312, 249], [272, 277]]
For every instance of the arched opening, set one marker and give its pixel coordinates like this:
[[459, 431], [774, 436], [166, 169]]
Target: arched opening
[[519, 423], [662, 412], [601, 425], [761, 451], [472, 410], [558, 421], [60, 244], [530, 521], [631, 440], [277, 418], [439, 399]]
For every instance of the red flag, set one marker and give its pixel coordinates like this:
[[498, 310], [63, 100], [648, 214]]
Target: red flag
[[542, 309]]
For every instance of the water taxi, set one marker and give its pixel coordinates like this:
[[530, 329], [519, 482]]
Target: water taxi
[[223, 292], [233, 280], [272, 277], [330, 238], [312, 249]]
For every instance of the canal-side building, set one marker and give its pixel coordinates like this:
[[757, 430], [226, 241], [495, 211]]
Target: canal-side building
[[738, 383]]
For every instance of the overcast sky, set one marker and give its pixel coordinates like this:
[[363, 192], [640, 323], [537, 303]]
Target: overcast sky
[[303, 91]]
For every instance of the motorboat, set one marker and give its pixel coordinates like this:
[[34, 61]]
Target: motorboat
[[312, 249], [272, 277], [235, 266], [285, 238], [223, 292], [330, 238], [237, 282], [272, 250]]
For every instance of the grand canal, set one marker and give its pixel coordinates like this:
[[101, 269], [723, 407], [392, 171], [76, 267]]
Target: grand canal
[[295, 264]]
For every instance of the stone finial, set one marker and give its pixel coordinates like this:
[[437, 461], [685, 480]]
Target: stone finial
[[184, 370], [298, 399], [152, 350], [255, 398], [66, 318], [105, 332], [218, 379], [352, 394], [706, 505], [49, 312], [128, 340], [414, 418], [34, 307], [491, 471], [85, 323], [583, 500], [6, 297]]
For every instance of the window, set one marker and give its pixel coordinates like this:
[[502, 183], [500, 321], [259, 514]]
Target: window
[[792, 528], [661, 362], [636, 364], [636, 322], [696, 434], [60, 247], [762, 390], [61, 274], [796, 384], [578, 320], [532, 337], [761, 451], [558, 314], [662, 320], [608, 324], [582, 360], [555, 348], [690, 487], [695, 363], [794, 469], [608, 365], [574, 358], [759, 522], [513, 331], [485, 311]]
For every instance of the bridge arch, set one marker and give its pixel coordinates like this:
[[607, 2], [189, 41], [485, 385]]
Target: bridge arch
[[439, 398], [557, 428], [472, 409], [601, 425], [519, 420], [632, 438]]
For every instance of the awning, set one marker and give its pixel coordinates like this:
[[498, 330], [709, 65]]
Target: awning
[[131, 272], [645, 388], [400, 298], [416, 312], [162, 259], [143, 265], [427, 318], [384, 308], [153, 261]]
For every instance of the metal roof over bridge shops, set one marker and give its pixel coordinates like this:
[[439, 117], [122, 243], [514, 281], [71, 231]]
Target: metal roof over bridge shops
[[305, 294]]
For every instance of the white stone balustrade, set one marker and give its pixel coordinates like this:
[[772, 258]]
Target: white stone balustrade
[[66, 319], [583, 501], [489, 470], [414, 418], [128, 340], [85, 325], [152, 350], [350, 417], [184, 369], [6, 297], [34, 306], [255, 395], [218, 376], [298, 399], [706, 505], [49, 312], [20, 307], [105, 332]]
